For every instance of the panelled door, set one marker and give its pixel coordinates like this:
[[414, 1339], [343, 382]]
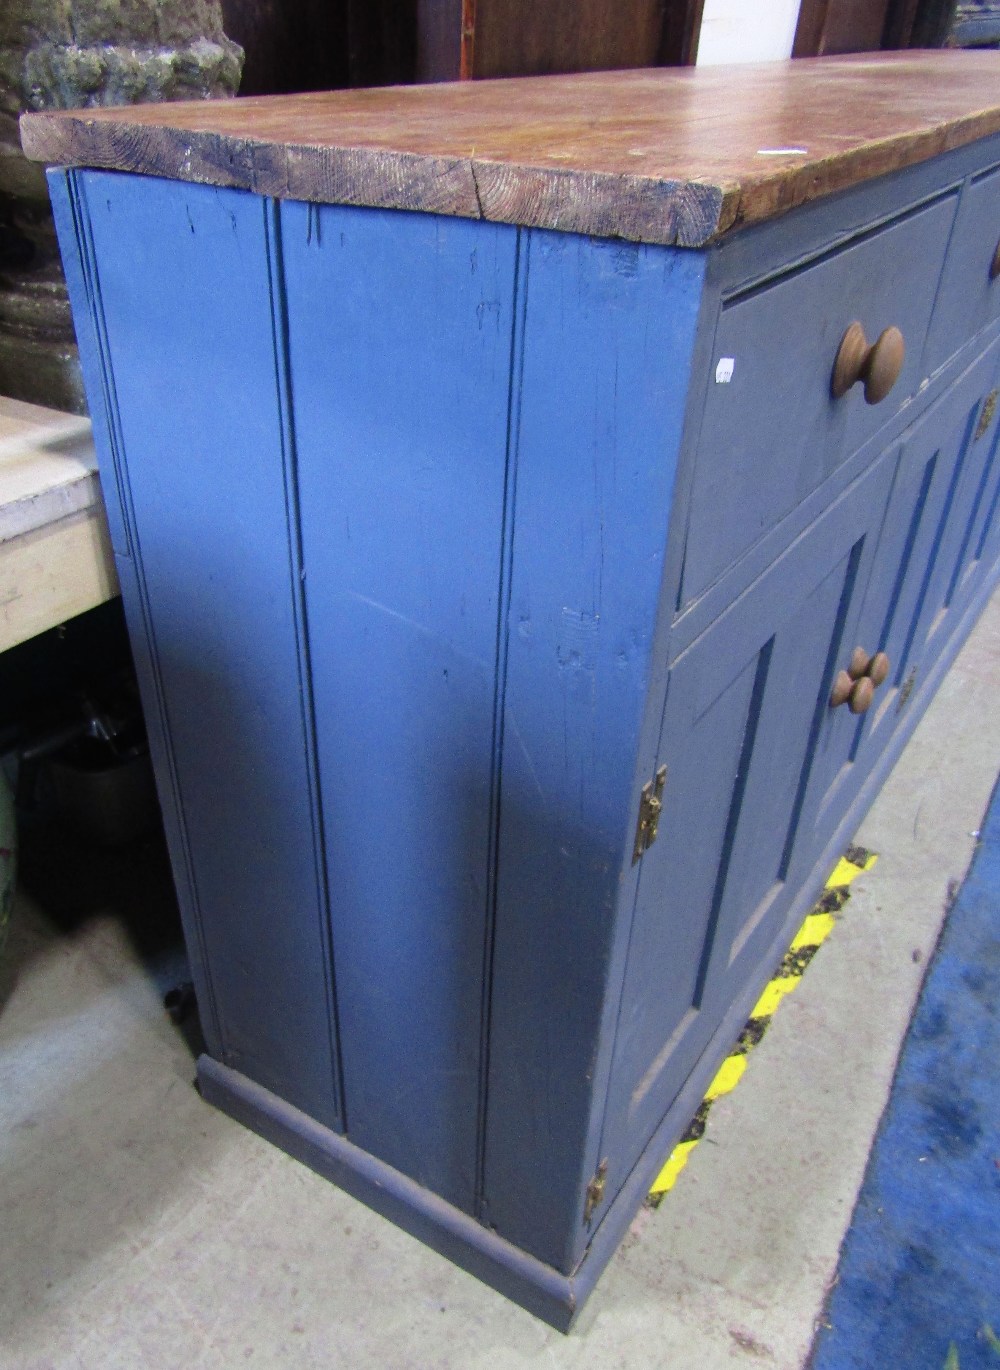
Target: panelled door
[[923, 575], [947, 586], [743, 710]]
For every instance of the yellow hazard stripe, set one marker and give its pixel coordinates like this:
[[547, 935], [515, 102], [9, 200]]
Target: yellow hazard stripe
[[816, 928], [846, 871], [727, 1076], [814, 931], [673, 1167], [773, 994]]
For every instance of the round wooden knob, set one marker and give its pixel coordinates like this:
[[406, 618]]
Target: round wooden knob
[[843, 684], [859, 663], [995, 264], [857, 685], [878, 669], [862, 694], [878, 365]]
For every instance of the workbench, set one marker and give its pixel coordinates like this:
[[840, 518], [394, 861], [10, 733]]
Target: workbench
[[543, 510], [55, 553]]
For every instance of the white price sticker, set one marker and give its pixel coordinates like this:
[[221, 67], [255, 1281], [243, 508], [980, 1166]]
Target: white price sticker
[[724, 370]]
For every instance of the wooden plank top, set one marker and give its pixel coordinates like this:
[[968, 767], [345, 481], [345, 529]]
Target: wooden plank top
[[667, 155]]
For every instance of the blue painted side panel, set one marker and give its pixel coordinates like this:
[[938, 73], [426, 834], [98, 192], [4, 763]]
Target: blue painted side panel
[[603, 377], [174, 827], [80, 271], [183, 277], [400, 345]]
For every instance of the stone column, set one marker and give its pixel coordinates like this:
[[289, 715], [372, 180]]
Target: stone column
[[65, 54]]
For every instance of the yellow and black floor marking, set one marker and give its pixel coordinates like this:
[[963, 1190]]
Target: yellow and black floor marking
[[818, 925]]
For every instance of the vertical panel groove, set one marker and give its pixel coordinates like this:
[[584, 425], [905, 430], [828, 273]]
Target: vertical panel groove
[[735, 809], [297, 576], [88, 263], [956, 574], [822, 703], [904, 562], [991, 515], [939, 534], [520, 297]]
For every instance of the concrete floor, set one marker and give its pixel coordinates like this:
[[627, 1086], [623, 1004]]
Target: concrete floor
[[140, 1228]]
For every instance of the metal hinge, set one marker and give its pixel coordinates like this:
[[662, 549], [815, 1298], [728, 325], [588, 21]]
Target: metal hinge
[[650, 808], [595, 1191]]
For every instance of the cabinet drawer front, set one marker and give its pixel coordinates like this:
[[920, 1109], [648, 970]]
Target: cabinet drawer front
[[773, 432], [969, 298]]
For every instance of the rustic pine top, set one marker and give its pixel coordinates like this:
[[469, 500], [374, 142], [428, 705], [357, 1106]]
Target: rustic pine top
[[661, 156]]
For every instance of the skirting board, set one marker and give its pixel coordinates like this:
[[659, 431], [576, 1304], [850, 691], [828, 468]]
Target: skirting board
[[537, 1287]]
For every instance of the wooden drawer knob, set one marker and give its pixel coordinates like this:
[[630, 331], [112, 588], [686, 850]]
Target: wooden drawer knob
[[877, 364], [859, 663], [878, 669], [856, 686], [861, 696], [842, 686]]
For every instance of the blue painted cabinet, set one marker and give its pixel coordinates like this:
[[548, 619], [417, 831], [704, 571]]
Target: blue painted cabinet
[[446, 543]]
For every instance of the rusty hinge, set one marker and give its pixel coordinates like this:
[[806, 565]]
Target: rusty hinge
[[986, 417], [595, 1191], [650, 808], [906, 690]]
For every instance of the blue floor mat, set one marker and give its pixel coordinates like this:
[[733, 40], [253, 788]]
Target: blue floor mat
[[919, 1278]]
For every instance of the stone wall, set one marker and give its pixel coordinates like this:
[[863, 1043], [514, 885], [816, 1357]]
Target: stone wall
[[65, 54]]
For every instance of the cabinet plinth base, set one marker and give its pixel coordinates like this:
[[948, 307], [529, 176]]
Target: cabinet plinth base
[[553, 1297]]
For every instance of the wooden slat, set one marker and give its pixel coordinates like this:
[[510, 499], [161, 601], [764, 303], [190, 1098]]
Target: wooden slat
[[54, 573], [55, 554], [661, 156]]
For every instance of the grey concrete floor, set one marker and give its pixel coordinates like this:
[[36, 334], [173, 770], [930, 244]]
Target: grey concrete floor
[[140, 1228]]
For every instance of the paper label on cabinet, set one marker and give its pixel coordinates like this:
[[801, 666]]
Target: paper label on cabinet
[[724, 370]]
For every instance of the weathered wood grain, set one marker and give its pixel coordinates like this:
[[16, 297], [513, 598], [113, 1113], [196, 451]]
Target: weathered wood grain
[[659, 156]]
